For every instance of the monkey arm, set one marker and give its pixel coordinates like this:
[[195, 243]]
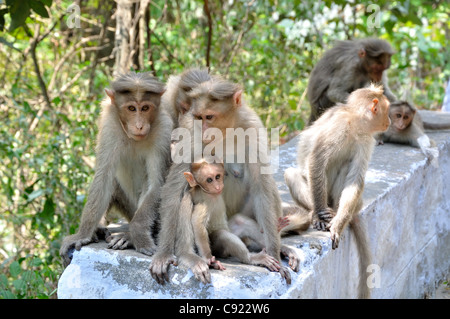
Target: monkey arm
[[99, 199], [198, 220], [387, 91], [318, 161], [350, 201], [337, 90]]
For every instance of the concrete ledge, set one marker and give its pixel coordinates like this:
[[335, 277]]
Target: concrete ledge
[[406, 210]]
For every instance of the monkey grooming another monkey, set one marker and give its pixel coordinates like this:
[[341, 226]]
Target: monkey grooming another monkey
[[133, 154], [349, 65], [407, 127], [218, 104], [209, 219], [176, 100], [332, 157]]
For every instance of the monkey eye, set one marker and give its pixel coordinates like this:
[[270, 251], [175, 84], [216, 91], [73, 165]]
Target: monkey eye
[[131, 108], [218, 176], [198, 117], [145, 108], [209, 180], [398, 116], [209, 117], [406, 117]]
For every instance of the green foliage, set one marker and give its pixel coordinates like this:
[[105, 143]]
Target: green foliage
[[270, 47]]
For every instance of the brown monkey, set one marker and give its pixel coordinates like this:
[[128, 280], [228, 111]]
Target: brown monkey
[[133, 154], [209, 219], [218, 105], [333, 156], [348, 66], [407, 127], [176, 100]]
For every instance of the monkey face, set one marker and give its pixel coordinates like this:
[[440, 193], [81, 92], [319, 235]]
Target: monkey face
[[401, 120], [212, 180], [136, 118], [376, 65]]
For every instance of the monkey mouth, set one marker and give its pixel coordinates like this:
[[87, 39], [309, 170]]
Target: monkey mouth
[[138, 137]]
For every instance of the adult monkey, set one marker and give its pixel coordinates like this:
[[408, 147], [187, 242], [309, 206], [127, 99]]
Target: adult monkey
[[133, 154], [348, 66], [176, 100], [217, 104], [333, 156]]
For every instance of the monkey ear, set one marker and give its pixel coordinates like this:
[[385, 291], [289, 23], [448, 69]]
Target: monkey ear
[[362, 53], [237, 98], [111, 95], [374, 106], [163, 91], [190, 179]]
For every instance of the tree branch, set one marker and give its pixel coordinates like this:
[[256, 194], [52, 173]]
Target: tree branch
[[208, 46]]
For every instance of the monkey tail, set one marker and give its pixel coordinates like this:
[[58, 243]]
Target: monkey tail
[[364, 257], [436, 126]]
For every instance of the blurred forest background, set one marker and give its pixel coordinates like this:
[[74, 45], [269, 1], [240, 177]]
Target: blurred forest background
[[57, 56]]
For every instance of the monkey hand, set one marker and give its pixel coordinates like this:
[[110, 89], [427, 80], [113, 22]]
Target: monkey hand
[[200, 268], [283, 222], [294, 260], [212, 262], [159, 266], [284, 272], [264, 259], [335, 234], [74, 241], [324, 218]]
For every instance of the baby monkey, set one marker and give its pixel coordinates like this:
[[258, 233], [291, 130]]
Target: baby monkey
[[209, 221], [407, 127]]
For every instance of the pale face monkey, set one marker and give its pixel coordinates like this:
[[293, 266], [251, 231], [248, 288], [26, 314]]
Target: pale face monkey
[[209, 220], [218, 104], [133, 154], [407, 127], [333, 156]]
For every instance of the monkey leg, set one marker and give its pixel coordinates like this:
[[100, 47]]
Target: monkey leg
[[298, 187], [225, 244], [247, 229]]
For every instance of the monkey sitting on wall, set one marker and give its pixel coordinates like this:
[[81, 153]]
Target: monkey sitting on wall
[[333, 156], [349, 65], [209, 220], [407, 127], [133, 155]]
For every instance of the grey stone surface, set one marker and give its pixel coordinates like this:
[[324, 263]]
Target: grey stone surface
[[406, 210]]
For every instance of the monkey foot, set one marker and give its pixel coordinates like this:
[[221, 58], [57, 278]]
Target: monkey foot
[[160, 265]]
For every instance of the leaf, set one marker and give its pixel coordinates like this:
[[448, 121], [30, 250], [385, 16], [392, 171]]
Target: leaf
[[6, 294], [15, 269], [19, 284], [39, 8], [19, 12], [35, 194]]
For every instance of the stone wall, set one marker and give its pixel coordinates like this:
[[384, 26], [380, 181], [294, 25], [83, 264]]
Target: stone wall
[[406, 210]]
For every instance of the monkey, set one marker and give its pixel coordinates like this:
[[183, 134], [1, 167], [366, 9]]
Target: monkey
[[332, 157], [218, 104], [175, 100], [407, 127], [295, 221], [348, 66], [132, 160], [206, 181]]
